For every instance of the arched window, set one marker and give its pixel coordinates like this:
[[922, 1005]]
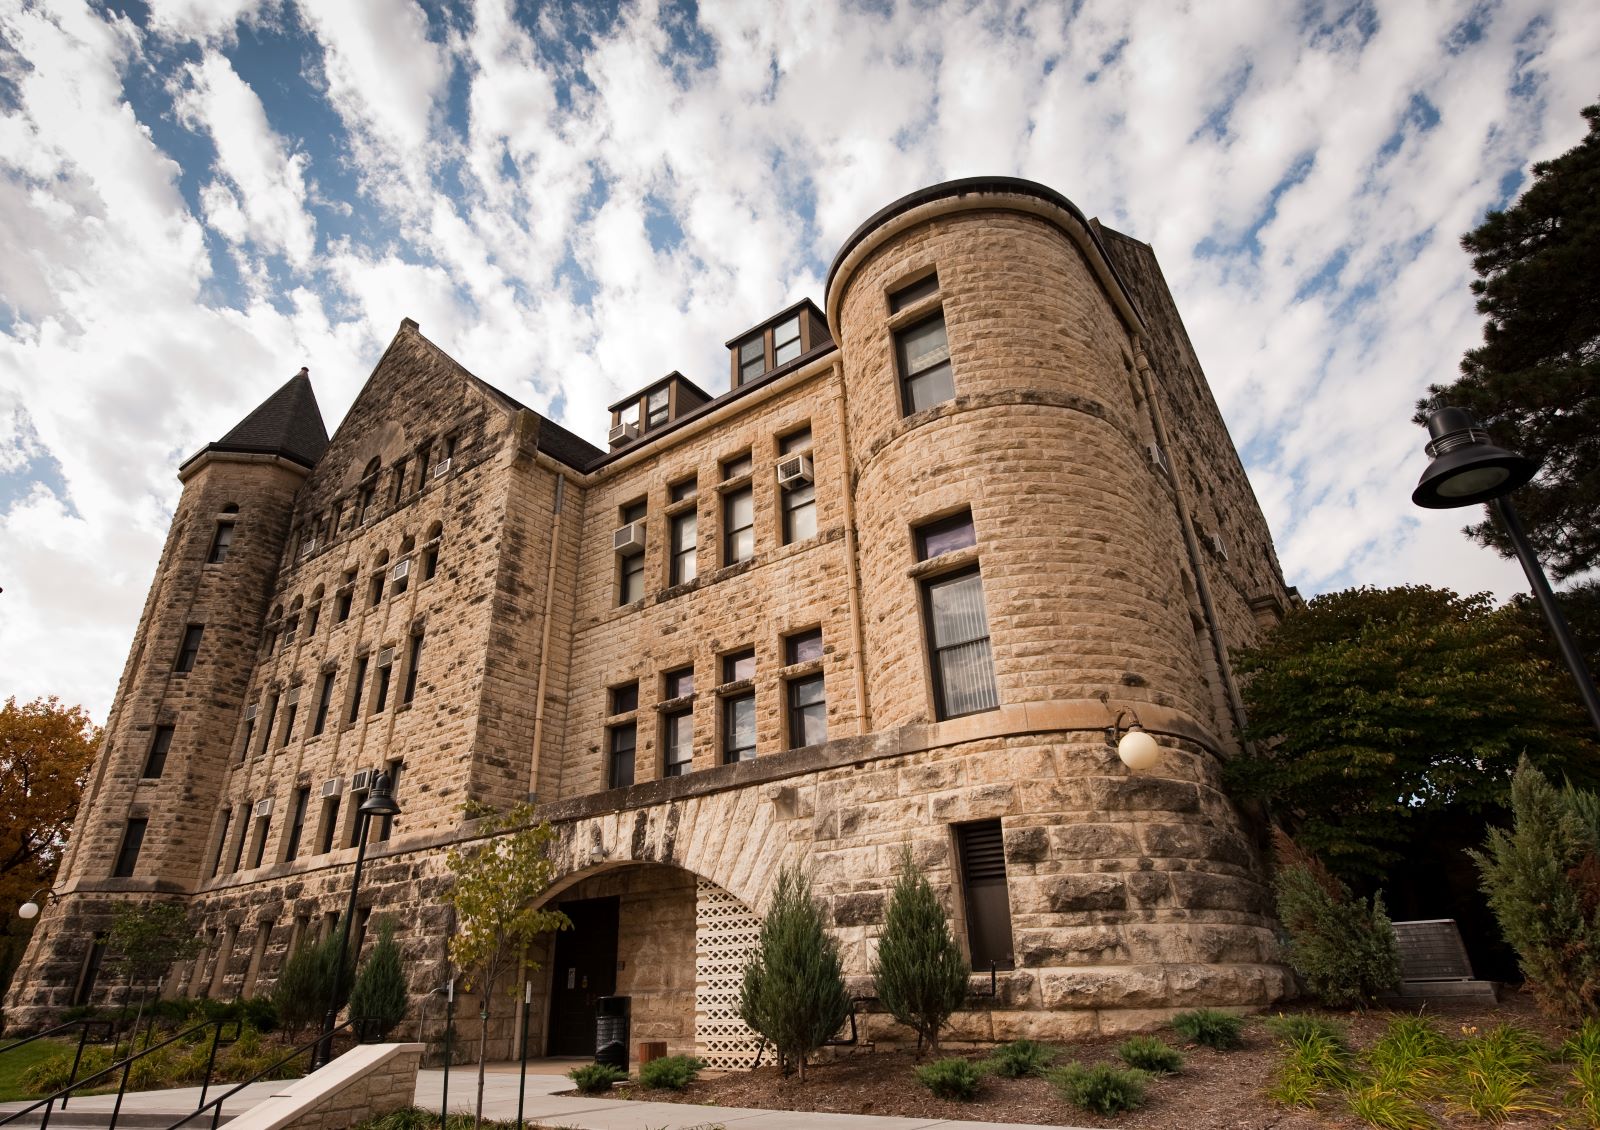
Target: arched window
[[430, 551]]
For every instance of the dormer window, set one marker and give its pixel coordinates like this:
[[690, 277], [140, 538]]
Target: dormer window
[[792, 333], [655, 406]]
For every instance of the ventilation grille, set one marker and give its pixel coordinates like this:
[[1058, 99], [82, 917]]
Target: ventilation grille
[[983, 852], [725, 935]]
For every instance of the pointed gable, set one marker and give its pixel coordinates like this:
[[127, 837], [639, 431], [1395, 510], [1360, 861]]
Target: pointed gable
[[288, 423]]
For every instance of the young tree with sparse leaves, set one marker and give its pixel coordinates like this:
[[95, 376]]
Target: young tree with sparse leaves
[[793, 991], [498, 880], [1377, 711], [45, 753], [1534, 383], [919, 972]]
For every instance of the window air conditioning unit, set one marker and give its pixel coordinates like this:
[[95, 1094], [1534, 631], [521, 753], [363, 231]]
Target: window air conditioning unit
[[629, 539], [622, 433], [386, 657], [361, 780], [794, 471], [401, 571], [441, 468], [250, 713], [1215, 544], [292, 697], [1158, 459], [331, 787], [308, 548], [263, 808]]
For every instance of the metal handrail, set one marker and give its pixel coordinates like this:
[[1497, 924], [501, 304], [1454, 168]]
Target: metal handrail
[[217, 1102], [83, 1022], [126, 1065]]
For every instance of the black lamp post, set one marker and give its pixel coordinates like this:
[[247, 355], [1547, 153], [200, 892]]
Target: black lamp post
[[380, 802], [1467, 469]]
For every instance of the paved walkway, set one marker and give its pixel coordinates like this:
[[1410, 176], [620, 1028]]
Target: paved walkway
[[541, 1106]]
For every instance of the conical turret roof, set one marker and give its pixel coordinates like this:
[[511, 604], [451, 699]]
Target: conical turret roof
[[288, 423]]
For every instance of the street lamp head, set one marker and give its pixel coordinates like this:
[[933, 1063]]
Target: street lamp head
[[29, 909], [1466, 468], [380, 798]]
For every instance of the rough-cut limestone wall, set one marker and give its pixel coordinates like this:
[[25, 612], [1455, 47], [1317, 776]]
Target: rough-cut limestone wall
[[368, 1081]]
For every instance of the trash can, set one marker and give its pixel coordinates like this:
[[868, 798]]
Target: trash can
[[611, 1031]]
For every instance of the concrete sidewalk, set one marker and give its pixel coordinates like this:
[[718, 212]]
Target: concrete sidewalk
[[541, 1106]]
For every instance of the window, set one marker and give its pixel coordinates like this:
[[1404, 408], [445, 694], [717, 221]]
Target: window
[[738, 666], [190, 647], [683, 566], [738, 728], [737, 467], [946, 536], [272, 718], [380, 695], [958, 634], [655, 408], [806, 703], [346, 596], [422, 465], [222, 842], [367, 490], [413, 665], [430, 552], [324, 700], [330, 825], [630, 577], [290, 627], [403, 580], [128, 854], [923, 354], [302, 797], [399, 482], [752, 358], [786, 341], [738, 524], [386, 823], [258, 847], [677, 742], [313, 616], [375, 592], [799, 500], [621, 743], [355, 690], [91, 969], [156, 760], [910, 295], [624, 698], [220, 543], [679, 683], [238, 846], [249, 731], [983, 885], [683, 491], [288, 718]]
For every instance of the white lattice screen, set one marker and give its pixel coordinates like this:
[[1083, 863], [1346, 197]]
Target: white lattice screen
[[725, 932]]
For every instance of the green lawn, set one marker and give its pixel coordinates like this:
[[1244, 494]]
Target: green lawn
[[14, 1064]]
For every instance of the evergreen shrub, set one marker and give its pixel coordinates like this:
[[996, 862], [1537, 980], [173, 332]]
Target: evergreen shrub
[[919, 972], [670, 1072], [1210, 1027], [1102, 1088], [957, 1079], [596, 1078], [380, 997], [1021, 1058], [1343, 947], [1150, 1054]]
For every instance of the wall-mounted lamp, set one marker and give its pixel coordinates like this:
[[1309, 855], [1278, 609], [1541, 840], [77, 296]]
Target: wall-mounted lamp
[[1137, 749], [31, 908]]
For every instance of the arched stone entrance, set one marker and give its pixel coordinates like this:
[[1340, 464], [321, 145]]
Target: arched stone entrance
[[671, 941]]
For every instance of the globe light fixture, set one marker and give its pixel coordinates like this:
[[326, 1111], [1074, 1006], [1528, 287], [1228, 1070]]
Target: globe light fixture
[[1466, 469], [30, 909], [1138, 750]]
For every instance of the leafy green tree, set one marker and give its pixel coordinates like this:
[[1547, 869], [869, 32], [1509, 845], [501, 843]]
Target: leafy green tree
[[1342, 946], [1377, 711], [497, 884], [1542, 879], [145, 939], [1534, 383], [380, 993], [920, 974], [306, 979], [793, 991]]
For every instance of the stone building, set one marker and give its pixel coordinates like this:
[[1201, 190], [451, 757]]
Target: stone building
[[890, 589]]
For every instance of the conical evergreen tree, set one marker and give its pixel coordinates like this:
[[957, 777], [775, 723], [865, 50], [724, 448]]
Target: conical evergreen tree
[[305, 981], [380, 996], [793, 991], [920, 974]]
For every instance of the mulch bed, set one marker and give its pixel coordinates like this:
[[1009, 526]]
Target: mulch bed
[[1215, 1089]]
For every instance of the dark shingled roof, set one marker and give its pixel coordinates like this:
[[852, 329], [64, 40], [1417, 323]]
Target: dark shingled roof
[[288, 423]]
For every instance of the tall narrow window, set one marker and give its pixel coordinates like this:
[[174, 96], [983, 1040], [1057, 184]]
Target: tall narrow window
[[988, 903], [413, 665], [807, 704], [677, 741], [798, 494], [683, 567], [656, 408], [272, 718], [738, 524], [355, 689], [423, 465], [430, 553], [91, 969], [375, 593], [244, 830], [221, 541], [330, 825], [190, 648], [629, 544], [923, 354], [386, 823], [958, 632], [250, 713], [621, 743], [222, 843], [156, 760], [346, 596], [738, 727], [292, 708], [380, 694], [399, 482], [324, 701], [313, 616], [258, 846], [367, 491], [752, 358], [786, 341], [128, 854], [291, 625], [302, 797]]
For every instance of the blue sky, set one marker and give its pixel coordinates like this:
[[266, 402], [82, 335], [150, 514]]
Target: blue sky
[[197, 197]]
